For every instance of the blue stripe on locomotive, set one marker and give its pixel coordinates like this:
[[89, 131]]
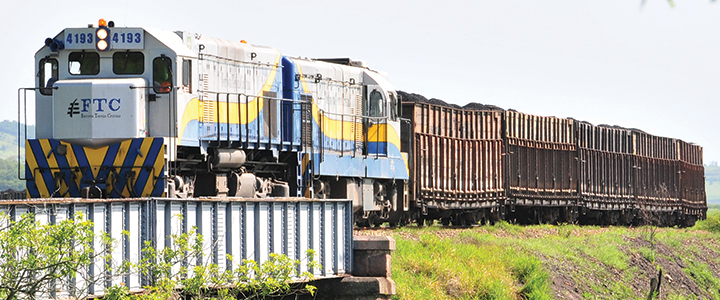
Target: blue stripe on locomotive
[[336, 157]]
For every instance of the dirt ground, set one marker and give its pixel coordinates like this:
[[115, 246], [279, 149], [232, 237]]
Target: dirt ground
[[674, 281]]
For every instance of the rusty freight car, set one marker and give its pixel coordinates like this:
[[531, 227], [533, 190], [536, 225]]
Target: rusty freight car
[[606, 166], [456, 161], [692, 183], [541, 168]]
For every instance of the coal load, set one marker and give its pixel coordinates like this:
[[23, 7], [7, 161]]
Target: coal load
[[480, 106], [438, 102], [407, 97], [410, 97], [620, 127]]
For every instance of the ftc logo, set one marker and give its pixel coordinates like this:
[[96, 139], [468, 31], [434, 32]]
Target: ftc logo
[[74, 108], [99, 105]]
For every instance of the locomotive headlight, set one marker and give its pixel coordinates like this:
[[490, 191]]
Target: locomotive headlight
[[102, 33], [103, 43]]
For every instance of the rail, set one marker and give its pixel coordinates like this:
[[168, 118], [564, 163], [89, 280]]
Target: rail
[[365, 121], [243, 100]]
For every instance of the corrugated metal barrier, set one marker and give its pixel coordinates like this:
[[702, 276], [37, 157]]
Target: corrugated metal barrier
[[243, 228]]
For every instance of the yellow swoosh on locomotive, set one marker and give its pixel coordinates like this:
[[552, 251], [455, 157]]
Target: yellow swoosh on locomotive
[[217, 110]]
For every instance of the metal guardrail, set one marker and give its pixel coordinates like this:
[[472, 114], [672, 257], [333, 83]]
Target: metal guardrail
[[243, 228]]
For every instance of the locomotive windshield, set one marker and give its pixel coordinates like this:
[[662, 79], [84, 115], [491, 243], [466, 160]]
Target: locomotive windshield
[[84, 63], [128, 63]]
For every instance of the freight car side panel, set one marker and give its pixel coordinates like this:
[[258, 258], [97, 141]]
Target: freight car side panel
[[542, 160], [605, 167], [692, 179], [657, 177], [457, 156]]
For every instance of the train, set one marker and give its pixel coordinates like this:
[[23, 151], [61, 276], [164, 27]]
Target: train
[[133, 112]]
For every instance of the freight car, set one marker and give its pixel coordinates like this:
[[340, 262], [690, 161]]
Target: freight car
[[482, 163], [135, 112]]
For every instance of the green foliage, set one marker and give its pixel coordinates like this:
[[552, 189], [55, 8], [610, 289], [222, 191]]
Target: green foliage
[[11, 128], [9, 139], [703, 276], [647, 253], [529, 272], [468, 266], [173, 273], [712, 173], [34, 256], [9, 175], [712, 223], [8, 155]]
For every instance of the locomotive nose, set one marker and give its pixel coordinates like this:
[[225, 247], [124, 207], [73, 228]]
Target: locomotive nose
[[99, 112]]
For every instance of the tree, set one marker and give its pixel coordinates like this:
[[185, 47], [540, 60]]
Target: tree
[[36, 257]]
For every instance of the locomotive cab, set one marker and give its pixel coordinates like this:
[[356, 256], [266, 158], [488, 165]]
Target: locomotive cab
[[105, 110]]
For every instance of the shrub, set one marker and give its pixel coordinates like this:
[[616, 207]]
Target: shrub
[[172, 274], [35, 257], [712, 223]]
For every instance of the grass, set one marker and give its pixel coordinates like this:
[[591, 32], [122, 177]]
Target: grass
[[704, 277], [463, 267], [712, 223], [506, 261]]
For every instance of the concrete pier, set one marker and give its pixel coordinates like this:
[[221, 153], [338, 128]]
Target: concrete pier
[[371, 273]]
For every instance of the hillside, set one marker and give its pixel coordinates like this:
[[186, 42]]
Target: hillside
[[556, 262], [8, 155], [712, 183], [8, 139]]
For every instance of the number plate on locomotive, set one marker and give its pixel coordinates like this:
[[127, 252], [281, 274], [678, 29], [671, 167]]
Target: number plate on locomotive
[[120, 38]]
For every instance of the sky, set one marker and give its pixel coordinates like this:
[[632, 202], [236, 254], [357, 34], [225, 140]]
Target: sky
[[638, 64]]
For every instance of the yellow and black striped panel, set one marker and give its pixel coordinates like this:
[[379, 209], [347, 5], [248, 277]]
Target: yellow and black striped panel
[[132, 168]]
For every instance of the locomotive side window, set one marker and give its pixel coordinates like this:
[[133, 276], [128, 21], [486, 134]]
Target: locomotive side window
[[377, 104], [393, 107], [125, 63], [84, 63], [48, 75], [186, 72], [162, 74]]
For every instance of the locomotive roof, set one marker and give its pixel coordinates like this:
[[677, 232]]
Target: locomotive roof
[[168, 38]]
